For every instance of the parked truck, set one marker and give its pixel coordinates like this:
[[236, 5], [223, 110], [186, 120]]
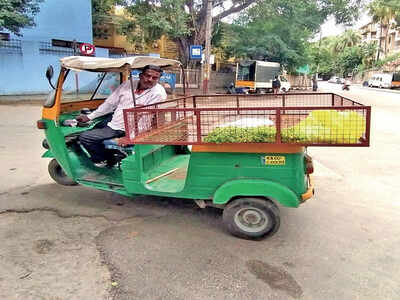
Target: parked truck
[[256, 76]]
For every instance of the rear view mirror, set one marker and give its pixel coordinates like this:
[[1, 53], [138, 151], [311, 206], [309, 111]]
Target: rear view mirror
[[49, 75]]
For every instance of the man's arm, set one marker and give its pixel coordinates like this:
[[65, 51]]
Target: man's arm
[[108, 106]]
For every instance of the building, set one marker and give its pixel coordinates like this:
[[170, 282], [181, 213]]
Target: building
[[118, 45], [23, 60], [388, 35]]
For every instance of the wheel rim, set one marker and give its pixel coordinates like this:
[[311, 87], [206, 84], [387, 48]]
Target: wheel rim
[[251, 219]]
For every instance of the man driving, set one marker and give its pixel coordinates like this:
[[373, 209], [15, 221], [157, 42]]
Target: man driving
[[147, 90]]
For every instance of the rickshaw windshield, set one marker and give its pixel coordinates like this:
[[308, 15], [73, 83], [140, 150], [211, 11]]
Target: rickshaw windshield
[[86, 79], [84, 85]]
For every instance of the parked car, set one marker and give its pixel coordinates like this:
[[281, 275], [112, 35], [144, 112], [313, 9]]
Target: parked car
[[334, 79]]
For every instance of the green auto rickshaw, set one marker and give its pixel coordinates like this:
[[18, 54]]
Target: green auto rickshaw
[[245, 154]]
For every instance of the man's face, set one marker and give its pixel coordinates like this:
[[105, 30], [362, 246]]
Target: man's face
[[148, 79]]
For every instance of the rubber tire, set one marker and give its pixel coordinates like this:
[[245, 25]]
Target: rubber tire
[[45, 144], [283, 90], [268, 207], [261, 91], [58, 174]]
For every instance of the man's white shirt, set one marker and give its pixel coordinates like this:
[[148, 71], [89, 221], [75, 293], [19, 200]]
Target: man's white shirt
[[121, 99]]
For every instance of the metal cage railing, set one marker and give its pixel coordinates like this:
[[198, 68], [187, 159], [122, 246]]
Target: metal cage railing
[[309, 119]]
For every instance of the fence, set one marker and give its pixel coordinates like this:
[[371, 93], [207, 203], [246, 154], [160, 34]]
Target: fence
[[309, 119], [11, 47]]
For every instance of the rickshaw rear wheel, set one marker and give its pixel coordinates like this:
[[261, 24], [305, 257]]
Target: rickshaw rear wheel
[[251, 218], [58, 175]]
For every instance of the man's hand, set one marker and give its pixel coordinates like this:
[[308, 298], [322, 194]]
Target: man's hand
[[82, 118]]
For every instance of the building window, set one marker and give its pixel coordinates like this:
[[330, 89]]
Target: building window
[[52, 48], [4, 36]]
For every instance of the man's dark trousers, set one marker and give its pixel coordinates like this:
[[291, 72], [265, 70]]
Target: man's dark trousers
[[92, 140]]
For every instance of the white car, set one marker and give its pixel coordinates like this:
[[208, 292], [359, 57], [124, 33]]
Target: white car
[[334, 79]]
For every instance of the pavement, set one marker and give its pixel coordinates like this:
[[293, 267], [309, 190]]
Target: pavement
[[79, 243]]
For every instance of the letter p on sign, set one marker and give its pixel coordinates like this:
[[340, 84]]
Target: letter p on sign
[[87, 49]]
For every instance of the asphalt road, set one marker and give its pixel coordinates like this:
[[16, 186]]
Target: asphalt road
[[78, 243]]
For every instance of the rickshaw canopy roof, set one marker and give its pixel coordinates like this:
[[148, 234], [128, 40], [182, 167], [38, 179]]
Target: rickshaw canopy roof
[[103, 64]]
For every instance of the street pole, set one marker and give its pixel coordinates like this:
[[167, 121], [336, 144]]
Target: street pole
[[74, 46], [206, 64], [319, 51]]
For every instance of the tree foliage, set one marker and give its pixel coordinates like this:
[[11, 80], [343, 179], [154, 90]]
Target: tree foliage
[[279, 30], [341, 55], [275, 31], [183, 21], [269, 29], [18, 14]]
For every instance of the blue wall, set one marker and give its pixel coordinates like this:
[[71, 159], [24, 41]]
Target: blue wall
[[62, 19], [23, 60]]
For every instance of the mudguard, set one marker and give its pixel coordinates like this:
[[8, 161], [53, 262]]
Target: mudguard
[[256, 188], [48, 154]]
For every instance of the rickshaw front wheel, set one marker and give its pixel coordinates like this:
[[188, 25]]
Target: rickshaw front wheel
[[251, 218], [58, 175]]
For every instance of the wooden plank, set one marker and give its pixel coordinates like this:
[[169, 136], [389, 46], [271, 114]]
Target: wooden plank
[[161, 175]]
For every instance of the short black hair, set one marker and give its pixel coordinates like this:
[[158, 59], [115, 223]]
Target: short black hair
[[152, 67]]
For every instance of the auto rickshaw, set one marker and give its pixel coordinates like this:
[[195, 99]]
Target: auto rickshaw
[[187, 148]]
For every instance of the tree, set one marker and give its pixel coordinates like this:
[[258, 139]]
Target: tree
[[349, 38], [368, 51], [184, 20], [321, 56], [348, 60], [279, 30], [343, 54], [18, 14]]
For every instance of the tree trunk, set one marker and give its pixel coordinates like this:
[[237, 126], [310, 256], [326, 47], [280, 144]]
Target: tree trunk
[[183, 46], [386, 37], [380, 43]]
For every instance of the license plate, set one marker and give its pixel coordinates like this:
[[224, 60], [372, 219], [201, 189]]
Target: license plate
[[275, 160]]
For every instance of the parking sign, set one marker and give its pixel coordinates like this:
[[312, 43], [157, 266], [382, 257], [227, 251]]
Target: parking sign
[[87, 49]]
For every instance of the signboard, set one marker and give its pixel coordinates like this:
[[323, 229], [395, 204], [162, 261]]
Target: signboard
[[87, 49], [195, 51], [303, 70]]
